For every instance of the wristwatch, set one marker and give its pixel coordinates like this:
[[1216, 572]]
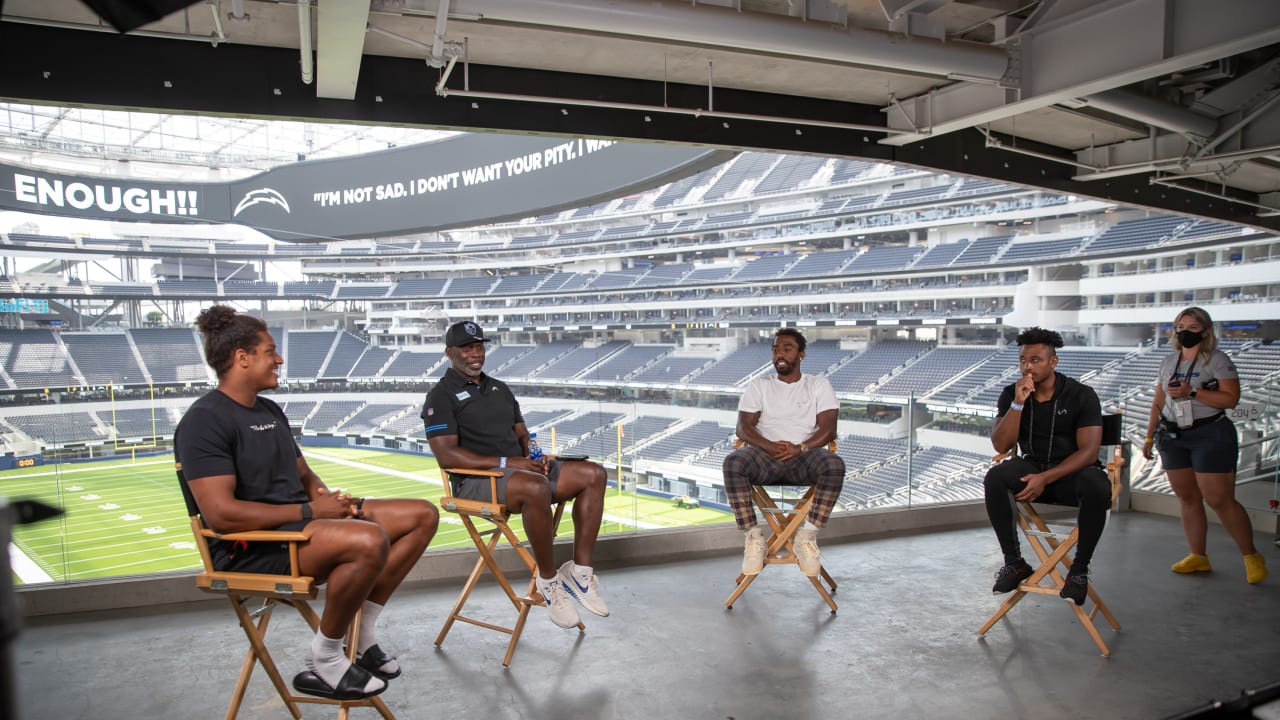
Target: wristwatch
[[306, 511], [1193, 392]]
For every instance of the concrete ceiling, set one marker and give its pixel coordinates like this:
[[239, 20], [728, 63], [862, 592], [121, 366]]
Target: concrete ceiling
[[1157, 93]]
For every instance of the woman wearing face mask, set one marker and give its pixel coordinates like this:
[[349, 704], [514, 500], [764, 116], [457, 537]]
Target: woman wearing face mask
[[1197, 441]]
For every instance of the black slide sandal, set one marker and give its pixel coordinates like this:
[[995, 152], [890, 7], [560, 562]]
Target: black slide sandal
[[350, 687], [373, 659]]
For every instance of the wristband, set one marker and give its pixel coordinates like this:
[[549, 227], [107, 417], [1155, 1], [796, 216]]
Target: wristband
[[359, 506], [1016, 406], [306, 511], [502, 462], [1149, 440]]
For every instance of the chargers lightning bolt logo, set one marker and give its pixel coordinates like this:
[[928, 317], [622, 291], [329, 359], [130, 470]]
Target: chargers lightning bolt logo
[[261, 195]]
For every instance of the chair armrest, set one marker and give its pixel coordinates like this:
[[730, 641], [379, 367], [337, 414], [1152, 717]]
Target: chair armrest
[[260, 535], [493, 476]]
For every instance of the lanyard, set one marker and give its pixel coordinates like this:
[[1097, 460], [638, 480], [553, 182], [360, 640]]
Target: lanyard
[[1190, 368]]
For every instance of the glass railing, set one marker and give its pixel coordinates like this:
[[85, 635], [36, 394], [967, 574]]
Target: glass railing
[[106, 459]]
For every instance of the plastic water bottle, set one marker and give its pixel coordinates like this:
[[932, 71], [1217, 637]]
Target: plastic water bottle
[[535, 452]]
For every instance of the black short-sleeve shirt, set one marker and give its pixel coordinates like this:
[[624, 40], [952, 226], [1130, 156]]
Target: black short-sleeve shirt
[[1074, 405], [219, 436], [483, 413]]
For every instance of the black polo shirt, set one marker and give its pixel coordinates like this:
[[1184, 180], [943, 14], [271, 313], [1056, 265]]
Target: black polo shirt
[[482, 414], [219, 436], [1074, 405]]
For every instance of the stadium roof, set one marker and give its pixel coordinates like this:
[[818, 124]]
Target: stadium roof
[[1169, 105], [164, 146]]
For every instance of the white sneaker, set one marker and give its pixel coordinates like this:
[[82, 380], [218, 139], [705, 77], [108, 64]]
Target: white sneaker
[[559, 607], [806, 546], [587, 594], [753, 556]]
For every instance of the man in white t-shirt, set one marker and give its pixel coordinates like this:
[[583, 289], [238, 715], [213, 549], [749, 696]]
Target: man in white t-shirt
[[785, 422]]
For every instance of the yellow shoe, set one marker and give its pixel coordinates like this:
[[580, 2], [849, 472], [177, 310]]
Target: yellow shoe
[[1255, 568], [1198, 563]]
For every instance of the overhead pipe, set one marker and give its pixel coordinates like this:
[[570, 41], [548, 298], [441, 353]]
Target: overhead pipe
[[1153, 111], [666, 21], [665, 109], [304, 40], [217, 23], [437, 44]]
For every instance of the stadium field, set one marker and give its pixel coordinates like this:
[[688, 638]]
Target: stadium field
[[127, 517]]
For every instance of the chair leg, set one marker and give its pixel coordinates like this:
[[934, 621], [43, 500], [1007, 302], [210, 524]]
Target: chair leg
[[258, 653], [462, 600], [1053, 561], [1003, 610], [783, 525], [487, 560]]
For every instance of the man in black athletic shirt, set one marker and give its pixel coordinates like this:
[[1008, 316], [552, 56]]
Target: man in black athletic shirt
[[240, 470], [1057, 421]]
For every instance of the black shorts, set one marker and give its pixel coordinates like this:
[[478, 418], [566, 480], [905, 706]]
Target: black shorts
[[476, 487], [268, 558], [1210, 448]]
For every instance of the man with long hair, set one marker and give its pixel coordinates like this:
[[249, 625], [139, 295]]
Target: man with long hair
[[241, 470]]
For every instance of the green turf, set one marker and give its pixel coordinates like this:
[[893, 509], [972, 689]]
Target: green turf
[[128, 518]]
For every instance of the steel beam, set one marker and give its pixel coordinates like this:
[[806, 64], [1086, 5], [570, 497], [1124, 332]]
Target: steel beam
[[1109, 44], [340, 46]]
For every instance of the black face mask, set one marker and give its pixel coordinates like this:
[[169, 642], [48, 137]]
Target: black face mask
[[1189, 338]]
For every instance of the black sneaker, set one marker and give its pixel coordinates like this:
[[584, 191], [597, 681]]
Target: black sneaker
[[1010, 576], [1076, 587]]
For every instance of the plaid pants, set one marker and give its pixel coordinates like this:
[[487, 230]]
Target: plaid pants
[[749, 465]]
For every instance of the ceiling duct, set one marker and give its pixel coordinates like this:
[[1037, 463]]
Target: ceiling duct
[[1153, 111], [738, 31]]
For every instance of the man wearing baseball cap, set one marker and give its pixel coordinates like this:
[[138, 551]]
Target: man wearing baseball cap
[[473, 421]]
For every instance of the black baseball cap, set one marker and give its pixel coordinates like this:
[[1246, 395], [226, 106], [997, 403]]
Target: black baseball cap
[[463, 333]]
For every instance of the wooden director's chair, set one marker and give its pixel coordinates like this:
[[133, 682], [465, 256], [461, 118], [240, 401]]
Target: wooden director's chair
[[1053, 546], [496, 514], [783, 523], [293, 590]]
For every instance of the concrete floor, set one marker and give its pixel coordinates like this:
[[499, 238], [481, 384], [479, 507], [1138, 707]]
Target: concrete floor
[[903, 645]]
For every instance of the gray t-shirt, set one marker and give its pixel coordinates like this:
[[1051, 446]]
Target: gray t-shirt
[[1219, 367]]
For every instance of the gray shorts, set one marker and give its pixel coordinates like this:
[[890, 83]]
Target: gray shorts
[[476, 487]]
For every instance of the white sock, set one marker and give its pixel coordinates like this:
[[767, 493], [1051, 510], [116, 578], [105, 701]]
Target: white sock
[[368, 626], [329, 664], [754, 531], [808, 525]]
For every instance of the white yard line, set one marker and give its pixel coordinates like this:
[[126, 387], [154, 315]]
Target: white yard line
[[633, 523], [25, 568], [372, 468]]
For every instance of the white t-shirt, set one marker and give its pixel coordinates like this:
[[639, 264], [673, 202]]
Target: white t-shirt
[[788, 411]]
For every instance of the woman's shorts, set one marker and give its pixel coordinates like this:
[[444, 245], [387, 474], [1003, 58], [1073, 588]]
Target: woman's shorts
[[1210, 448]]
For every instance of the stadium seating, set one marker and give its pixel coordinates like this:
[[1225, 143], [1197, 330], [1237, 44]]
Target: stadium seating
[[104, 358], [35, 359], [408, 364], [580, 359]]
